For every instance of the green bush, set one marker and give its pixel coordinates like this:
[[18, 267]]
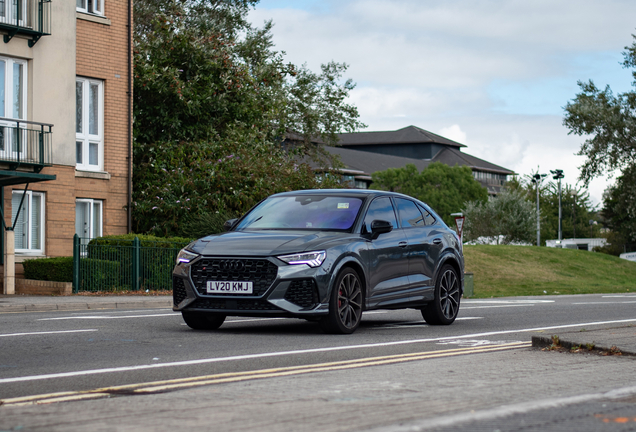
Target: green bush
[[100, 275], [49, 269], [157, 258]]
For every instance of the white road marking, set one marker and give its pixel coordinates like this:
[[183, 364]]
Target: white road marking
[[495, 306], [619, 295], [468, 318], [605, 302], [253, 320], [297, 352], [106, 317], [46, 332], [504, 411], [506, 301], [474, 342]]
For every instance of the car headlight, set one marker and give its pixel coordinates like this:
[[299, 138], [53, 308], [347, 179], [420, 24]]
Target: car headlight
[[312, 259], [186, 256]]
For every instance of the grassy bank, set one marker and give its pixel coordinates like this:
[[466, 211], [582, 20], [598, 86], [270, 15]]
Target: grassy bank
[[524, 270]]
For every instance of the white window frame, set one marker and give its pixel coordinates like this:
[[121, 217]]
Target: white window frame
[[28, 205], [95, 7], [91, 206], [6, 147], [84, 138]]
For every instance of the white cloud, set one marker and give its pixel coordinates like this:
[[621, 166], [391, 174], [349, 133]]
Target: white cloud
[[502, 69], [454, 133]]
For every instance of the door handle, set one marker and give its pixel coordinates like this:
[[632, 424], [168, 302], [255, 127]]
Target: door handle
[[402, 244], [437, 241]]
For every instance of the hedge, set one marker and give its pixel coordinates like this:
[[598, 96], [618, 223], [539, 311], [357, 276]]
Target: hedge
[[49, 269]]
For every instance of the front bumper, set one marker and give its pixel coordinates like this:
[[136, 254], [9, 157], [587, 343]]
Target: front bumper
[[279, 289]]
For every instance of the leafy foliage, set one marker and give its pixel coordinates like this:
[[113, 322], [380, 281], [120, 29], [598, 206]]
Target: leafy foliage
[[509, 217], [619, 212], [446, 189], [213, 103], [58, 269], [609, 123]]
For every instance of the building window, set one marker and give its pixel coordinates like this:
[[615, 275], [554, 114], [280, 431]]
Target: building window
[[91, 6], [88, 218], [13, 97], [89, 124], [13, 12], [29, 229]]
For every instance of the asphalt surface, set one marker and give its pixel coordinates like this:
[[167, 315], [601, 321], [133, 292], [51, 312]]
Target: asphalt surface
[[481, 373]]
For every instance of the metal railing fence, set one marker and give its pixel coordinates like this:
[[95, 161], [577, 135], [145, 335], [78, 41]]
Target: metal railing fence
[[25, 142], [123, 265]]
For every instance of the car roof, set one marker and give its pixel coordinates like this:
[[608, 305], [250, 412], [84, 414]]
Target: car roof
[[362, 193]]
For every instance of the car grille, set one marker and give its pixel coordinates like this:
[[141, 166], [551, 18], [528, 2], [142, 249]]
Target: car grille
[[234, 304], [178, 291], [303, 293], [260, 272]]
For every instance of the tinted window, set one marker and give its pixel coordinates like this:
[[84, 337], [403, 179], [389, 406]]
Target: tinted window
[[410, 216], [313, 212], [380, 209], [428, 218]]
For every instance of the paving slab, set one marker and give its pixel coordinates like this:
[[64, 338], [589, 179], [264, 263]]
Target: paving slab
[[22, 303], [620, 339]]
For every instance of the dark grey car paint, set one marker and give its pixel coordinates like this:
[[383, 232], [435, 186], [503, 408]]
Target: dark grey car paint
[[395, 276]]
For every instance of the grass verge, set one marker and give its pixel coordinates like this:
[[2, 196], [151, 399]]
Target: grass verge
[[506, 271]]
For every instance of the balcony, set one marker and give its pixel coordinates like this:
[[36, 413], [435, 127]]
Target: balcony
[[31, 18], [25, 145]]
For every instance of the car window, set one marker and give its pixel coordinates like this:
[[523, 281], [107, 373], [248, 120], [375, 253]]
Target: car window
[[380, 209], [410, 216], [311, 212], [428, 217]]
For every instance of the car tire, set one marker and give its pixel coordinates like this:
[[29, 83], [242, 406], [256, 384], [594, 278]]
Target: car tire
[[445, 306], [345, 304], [203, 321]]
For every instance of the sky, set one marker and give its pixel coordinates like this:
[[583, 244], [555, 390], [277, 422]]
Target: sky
[[491, 74]]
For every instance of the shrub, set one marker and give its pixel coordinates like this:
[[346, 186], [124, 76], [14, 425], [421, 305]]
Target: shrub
[[101, 275], [49, 269]]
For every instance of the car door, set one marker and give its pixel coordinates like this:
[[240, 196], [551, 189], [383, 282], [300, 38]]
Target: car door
[[386, 257], [422, 249]]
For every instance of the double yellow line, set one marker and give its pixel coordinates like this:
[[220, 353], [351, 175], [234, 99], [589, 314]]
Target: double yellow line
[[181, 383]]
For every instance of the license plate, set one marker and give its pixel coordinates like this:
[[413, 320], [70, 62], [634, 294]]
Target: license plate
[[231, 287]]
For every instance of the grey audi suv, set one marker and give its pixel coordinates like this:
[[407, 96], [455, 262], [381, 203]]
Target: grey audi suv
[[326, 256]]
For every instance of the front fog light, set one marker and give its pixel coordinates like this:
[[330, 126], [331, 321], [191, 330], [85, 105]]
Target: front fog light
[[312, 259], [185, 256]]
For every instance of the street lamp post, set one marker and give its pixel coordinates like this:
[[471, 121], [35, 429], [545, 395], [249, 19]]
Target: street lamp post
[[537, 180], [558, 175]]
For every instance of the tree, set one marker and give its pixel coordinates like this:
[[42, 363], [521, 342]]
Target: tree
[[213, 103], [509, 217], [609, 123], [577, 209], [619, 213], [446, 189]]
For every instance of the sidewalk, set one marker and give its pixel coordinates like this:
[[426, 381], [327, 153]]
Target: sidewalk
[[610, 339], [22, 303]]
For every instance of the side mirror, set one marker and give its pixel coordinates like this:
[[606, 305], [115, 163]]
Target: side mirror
[[229, 224], [380, 227]]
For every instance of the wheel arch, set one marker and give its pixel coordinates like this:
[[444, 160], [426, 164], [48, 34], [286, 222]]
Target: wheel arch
[[450, 259], [351, 262]]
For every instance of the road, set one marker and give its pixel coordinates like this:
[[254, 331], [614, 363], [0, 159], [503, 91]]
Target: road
[[144, 369]]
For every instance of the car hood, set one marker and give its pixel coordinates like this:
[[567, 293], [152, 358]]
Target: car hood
[[265, 242]]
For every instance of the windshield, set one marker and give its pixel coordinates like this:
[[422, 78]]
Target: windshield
[[311, 212]]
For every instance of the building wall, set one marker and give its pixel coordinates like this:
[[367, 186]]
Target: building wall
[[93, 47]]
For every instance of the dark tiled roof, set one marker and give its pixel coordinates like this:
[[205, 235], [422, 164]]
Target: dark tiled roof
[[407, 135], [369, 162], [452, 157]]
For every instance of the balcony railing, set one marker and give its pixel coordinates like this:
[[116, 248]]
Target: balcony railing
[[27, 17], [25, 144]]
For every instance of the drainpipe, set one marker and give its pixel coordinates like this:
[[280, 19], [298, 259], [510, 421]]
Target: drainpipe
[[130, 102]]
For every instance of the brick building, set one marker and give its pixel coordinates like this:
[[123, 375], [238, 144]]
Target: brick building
[[65, 123]]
